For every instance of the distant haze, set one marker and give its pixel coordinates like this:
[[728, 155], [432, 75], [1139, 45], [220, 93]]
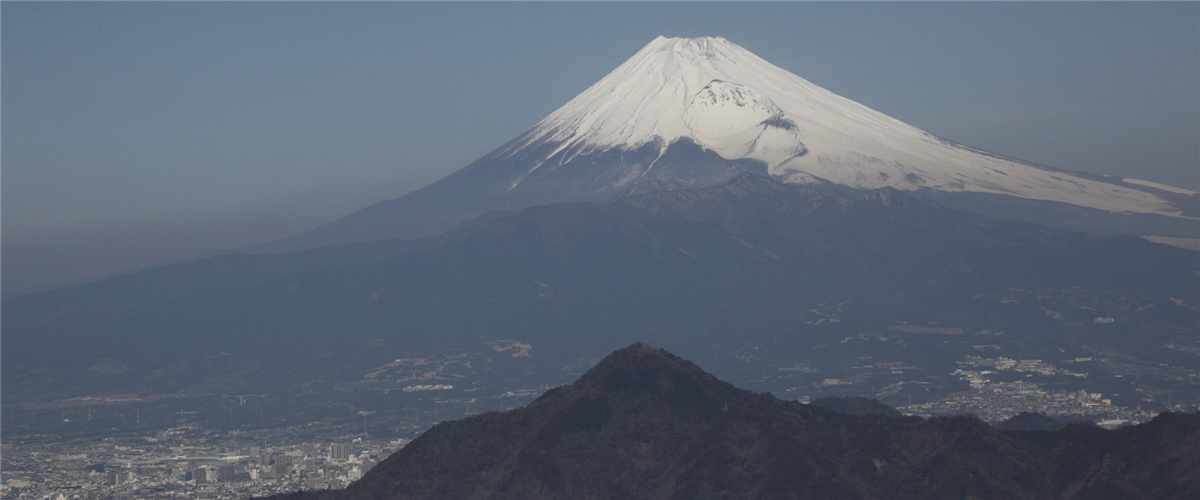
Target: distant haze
[[140, 133]]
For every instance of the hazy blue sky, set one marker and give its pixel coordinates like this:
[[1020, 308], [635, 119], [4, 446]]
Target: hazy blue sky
[[135, 133]]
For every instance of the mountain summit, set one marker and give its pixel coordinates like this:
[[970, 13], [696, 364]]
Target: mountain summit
[[729, 101], [694, 112]]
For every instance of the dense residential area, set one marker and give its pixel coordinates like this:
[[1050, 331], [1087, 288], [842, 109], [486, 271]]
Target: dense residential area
[[188, 462]]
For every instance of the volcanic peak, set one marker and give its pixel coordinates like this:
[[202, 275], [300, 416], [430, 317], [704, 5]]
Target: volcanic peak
[[731, 102], [695, 112]]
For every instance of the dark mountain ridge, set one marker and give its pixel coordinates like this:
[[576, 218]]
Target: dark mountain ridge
[[646, 424]]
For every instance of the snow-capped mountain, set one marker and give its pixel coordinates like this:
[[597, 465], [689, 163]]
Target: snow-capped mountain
[[692, 112], [732, 102]]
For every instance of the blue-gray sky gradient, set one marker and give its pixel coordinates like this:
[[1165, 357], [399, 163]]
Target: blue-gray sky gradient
[[135, 133]]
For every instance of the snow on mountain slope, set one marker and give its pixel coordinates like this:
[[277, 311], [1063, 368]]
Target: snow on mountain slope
[[737, 105], [692, 113]]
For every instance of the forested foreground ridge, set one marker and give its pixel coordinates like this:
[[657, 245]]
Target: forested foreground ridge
[[644, 423]]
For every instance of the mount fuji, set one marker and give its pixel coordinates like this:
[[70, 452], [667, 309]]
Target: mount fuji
[[694, 112]]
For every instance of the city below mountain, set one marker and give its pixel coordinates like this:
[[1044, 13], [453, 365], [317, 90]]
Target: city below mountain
[[644, 424], [694, 112], [751, 269]]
